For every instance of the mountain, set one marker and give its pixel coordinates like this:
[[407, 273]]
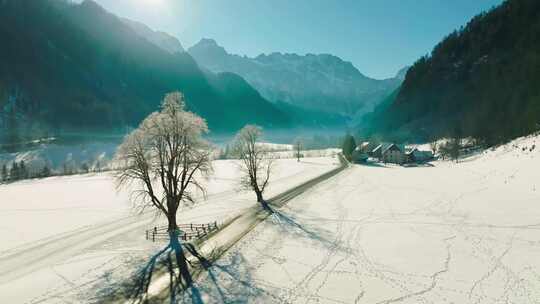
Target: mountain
[[76, 66], [313, 82], [401, 74], [161, 39], [481, 81]]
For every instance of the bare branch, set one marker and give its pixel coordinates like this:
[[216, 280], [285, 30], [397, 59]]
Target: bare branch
[[255, 159], [165, 153]]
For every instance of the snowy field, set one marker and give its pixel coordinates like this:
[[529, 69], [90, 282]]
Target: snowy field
[[450, 233], [65, 236]]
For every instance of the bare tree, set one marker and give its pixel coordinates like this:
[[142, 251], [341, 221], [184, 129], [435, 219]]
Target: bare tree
[[166, 157], [256, 160], [434, 145], [298, 148]]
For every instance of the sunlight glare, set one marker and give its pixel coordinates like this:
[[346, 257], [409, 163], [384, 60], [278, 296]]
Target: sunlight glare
[[152, 2]]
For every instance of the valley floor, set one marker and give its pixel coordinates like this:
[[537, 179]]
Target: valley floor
[[452, 233], [73, 238]]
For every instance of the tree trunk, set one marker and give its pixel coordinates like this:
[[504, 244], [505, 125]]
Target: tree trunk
[[171, 218], [260, 198]]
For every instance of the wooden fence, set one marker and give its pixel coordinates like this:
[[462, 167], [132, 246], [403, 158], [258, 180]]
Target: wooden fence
[[187, 232]]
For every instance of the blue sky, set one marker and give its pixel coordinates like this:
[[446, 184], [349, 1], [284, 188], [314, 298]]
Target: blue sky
[[378, 36]]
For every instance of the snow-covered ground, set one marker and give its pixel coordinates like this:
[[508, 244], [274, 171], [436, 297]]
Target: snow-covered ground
[[66, 235], [451, 233], [330, 152]]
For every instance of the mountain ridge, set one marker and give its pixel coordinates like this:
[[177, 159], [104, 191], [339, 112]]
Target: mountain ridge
[[321, 82]]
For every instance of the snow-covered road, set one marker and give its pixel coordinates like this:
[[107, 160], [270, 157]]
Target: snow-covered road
[[72, 237], [452, 233]]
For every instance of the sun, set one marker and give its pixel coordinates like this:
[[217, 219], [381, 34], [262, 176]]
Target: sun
[[152, 2]]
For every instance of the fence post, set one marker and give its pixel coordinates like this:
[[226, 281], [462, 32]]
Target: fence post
[[215, 225], [191, 225], [146, 235]]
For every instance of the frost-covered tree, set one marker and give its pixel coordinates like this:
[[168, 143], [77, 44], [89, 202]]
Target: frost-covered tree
[[434, 145], [256, 161], [167, 156]]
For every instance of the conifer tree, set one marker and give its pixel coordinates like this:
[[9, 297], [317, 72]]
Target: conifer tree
[[46, 171], [348, 146], [23, 171], [4, 173], [14, 171]]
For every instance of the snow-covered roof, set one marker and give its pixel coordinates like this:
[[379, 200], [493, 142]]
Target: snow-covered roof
[[409, 150], [365, 144], [388, 146], [377, 148]]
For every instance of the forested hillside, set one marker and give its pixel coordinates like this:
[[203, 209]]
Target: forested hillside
[[482, 80], [67, 65]]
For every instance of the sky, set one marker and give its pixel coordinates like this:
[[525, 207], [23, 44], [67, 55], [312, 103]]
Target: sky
[[378, 36]]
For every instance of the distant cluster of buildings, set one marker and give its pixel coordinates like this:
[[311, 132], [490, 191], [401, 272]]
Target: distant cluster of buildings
[[391, 153]]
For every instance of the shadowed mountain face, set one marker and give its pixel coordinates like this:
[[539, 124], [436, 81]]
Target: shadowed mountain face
[[78, 66], [316, 82], [481, 81]]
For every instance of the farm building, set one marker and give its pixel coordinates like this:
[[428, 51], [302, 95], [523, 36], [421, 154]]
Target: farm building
[[393, 154], [416, 155], [377, 151], [367, 146], [359, 156]]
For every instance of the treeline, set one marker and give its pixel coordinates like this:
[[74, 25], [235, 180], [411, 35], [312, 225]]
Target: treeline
[[20, 170], [307, 143], [481, 80]]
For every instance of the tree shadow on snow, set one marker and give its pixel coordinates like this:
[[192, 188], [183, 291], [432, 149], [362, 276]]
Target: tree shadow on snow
[[225, 279], [169, 260], [291, 226], [228, 280]]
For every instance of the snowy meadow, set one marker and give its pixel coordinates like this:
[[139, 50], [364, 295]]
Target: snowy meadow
[[65, 234], [465, 232]]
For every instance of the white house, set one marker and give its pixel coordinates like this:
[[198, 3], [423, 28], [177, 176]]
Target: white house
[[393, 154]]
